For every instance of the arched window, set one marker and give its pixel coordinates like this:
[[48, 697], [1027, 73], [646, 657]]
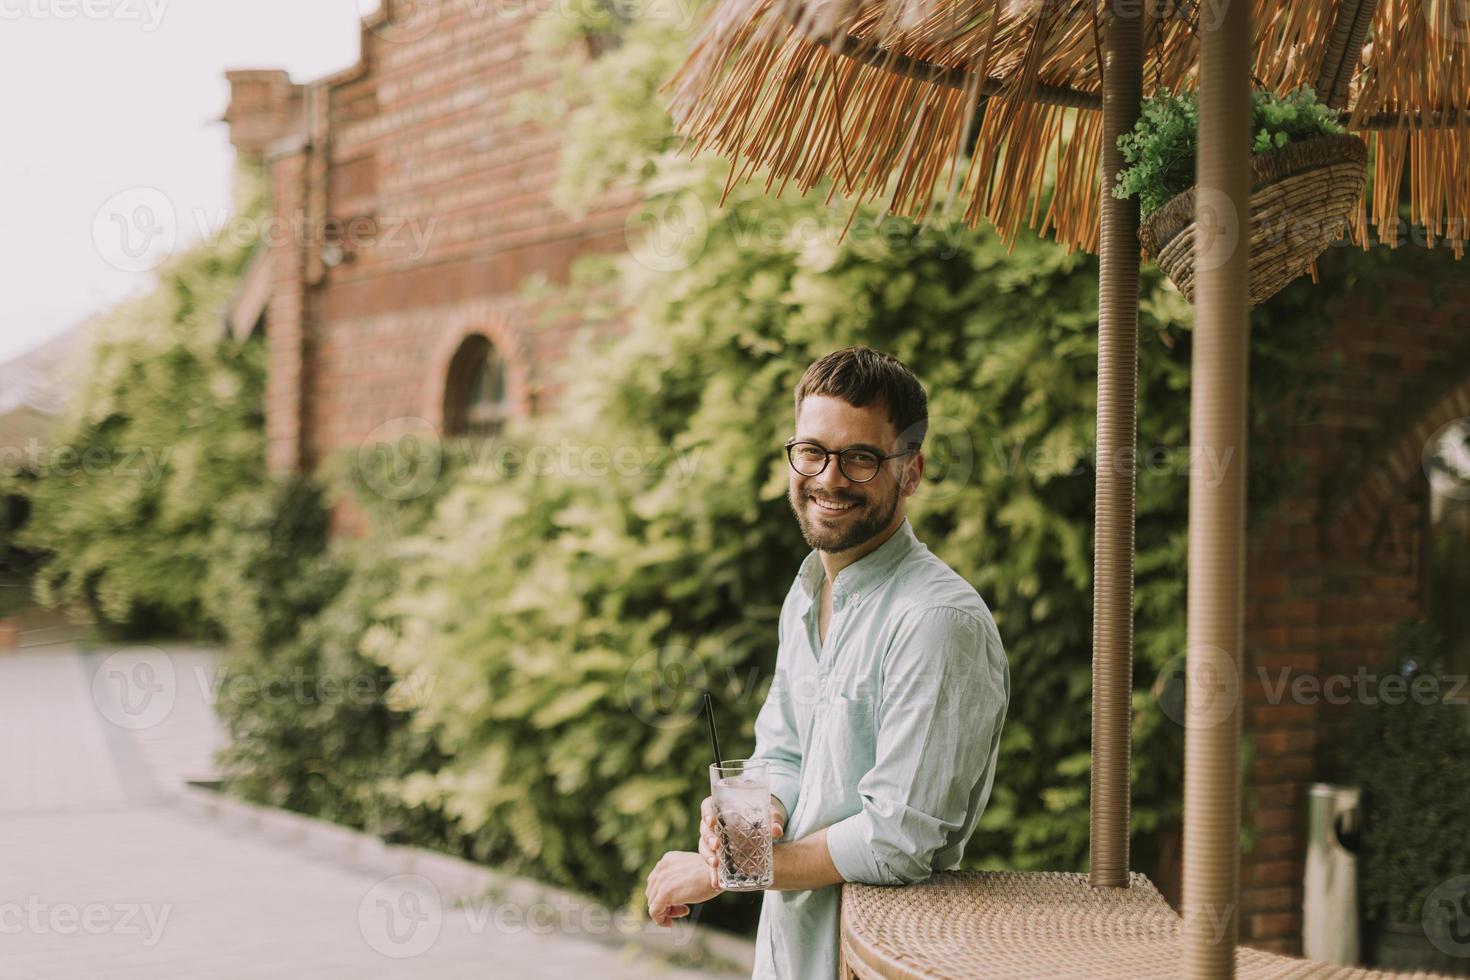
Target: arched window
[[476, 397], [1447, 464]]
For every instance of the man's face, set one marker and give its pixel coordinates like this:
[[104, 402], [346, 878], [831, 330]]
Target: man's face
[[858, 511]]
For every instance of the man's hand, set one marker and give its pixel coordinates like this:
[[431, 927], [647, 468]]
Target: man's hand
[[709, 834], [678, 881]]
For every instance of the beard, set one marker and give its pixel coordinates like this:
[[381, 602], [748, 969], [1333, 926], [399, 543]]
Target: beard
[[868, 518]]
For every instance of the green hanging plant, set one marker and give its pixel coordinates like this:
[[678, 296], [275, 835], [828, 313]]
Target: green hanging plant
[[1160, 150]]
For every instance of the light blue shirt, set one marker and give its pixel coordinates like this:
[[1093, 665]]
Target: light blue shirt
[[887, 734]]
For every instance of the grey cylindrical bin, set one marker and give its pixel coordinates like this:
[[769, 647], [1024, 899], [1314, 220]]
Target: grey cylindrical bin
[[1330, 895]]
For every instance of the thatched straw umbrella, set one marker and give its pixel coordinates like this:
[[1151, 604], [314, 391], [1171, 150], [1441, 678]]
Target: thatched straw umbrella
[[881, 97]]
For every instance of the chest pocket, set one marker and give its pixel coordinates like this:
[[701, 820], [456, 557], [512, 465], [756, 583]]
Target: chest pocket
[[850, 733]]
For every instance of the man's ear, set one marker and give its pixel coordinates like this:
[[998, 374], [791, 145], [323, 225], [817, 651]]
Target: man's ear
[[913, 474]]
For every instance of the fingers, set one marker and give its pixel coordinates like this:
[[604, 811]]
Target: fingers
[[709, 838], [664, 915]]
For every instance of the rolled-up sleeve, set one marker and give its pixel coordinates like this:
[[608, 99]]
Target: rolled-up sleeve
[[778, 740], [942, 702]]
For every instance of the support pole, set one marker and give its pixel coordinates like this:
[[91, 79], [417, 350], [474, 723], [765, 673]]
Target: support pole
[[1218, 393], [1117, 386]]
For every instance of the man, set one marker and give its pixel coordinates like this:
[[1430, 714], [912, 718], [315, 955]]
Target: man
[[882, 724]]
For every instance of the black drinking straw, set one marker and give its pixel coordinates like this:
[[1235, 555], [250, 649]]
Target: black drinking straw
[[709, 714]]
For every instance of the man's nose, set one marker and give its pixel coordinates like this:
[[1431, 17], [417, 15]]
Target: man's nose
[[832, 477]]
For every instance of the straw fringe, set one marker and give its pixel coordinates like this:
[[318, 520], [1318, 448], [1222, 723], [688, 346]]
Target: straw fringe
[[813, 90]]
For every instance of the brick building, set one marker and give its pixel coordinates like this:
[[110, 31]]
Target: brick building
[[409, 206], [1370, 542], [433, 205]]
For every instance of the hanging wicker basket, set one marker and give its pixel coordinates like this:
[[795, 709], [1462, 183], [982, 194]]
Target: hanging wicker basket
[[1301, 199]]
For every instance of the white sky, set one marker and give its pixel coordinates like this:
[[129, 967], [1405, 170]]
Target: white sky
[[114, 97]]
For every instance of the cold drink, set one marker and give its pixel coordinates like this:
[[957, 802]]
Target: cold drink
[[741, 790]]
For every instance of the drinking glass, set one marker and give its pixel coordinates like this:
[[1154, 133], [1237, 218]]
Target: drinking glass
[[741, 789]]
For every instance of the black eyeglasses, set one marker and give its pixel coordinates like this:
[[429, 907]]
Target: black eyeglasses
[[858, 465]]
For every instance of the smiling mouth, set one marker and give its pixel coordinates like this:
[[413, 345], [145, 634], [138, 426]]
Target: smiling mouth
[[834, 511]]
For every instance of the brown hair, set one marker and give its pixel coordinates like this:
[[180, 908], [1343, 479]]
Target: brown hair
[[860, 376]]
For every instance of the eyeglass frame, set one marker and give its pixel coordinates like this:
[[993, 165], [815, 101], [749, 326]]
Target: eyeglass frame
[[793, 442]]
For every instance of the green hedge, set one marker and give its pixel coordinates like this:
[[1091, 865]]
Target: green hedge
[[124, 504], [312, 727], [1410, 753]]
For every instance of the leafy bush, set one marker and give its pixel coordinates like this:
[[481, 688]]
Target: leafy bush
[[1410, 754], [312, 725], [1160, 151], [270, 570], [13, 590], [168, 423], [315, 726]]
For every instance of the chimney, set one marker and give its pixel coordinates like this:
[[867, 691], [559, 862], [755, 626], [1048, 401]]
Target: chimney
[[264, 107]]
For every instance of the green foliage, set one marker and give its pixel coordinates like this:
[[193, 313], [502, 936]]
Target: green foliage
[[621, 130], [395, 480], [125, 502], [1160, 151], [13, 590], [315, 726], [1410, 754], [269, 569]]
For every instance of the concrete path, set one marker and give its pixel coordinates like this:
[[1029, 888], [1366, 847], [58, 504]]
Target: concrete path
[[103, 874]]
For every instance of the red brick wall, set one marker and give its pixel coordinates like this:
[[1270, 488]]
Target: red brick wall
[[414, 164], [285, 335], [1338, 567]]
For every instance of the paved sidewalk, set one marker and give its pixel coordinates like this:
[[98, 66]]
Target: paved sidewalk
[[103, 875]]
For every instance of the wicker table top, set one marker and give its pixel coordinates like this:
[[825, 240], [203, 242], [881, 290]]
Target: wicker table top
[[1005, 924]]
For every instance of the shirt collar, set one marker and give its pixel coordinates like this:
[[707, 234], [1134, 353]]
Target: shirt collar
[[862, 575]]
